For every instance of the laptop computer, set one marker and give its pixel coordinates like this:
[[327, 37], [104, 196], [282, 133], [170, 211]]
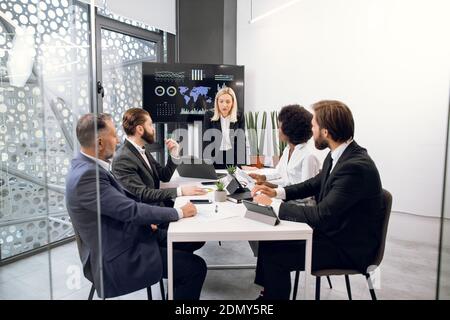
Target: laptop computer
[[191, 168]]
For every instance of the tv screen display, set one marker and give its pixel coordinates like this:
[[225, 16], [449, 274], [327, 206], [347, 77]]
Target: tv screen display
[[183, 92]]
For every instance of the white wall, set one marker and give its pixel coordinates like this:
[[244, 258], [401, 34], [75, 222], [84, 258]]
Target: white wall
[[388, 60]]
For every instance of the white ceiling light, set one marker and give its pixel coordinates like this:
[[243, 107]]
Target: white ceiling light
[[270, 12], [21, 55]]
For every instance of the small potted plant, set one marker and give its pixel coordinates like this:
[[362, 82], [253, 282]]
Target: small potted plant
[[220, 195], [231, 170]]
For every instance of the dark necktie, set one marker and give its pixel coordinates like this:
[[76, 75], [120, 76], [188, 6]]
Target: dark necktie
[[322, 187], [329, 169]]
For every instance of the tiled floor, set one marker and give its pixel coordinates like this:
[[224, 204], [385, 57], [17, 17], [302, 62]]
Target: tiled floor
[[408, 270]]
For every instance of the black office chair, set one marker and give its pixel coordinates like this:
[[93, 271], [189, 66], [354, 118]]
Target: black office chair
[[90, 278], [149, 291], [346, 272], [297, 275]]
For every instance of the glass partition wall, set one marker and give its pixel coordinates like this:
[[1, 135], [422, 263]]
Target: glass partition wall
[[443, 287], [45, 85]]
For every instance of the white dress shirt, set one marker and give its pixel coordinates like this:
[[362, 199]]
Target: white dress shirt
[[226, 141], [141, 151], [302, 166], [105, 165], [335, 155]]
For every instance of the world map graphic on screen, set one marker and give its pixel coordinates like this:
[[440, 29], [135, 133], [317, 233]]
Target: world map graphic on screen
[[193, 98]]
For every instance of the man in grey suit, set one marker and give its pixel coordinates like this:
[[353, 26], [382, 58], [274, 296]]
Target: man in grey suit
[[129, 253], [136, 168]]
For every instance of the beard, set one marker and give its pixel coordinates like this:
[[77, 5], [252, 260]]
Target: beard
[[321, 143], [148, 137], [109, 156]]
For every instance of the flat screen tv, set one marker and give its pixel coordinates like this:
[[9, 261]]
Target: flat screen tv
[[181, 92]]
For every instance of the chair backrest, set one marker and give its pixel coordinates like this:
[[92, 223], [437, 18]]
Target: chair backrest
[[387, 205]]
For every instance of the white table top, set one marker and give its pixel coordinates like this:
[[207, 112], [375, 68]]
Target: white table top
[[231, 228]]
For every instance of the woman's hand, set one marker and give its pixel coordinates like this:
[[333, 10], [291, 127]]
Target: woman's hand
[[260, 178]]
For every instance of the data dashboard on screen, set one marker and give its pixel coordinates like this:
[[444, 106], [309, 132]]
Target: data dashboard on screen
[[180, 92]]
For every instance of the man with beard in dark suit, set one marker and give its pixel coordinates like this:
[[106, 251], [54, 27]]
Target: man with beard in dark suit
[[347, 219], [137, 169], [139, 172]]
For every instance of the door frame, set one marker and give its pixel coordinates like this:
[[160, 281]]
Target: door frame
[[102, 22]]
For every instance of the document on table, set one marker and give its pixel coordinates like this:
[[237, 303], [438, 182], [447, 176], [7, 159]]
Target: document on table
[[208, 213]]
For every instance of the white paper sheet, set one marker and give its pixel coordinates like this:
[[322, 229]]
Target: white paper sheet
[[208, 213]]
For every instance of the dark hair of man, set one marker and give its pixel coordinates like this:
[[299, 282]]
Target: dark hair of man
[[86, 127], [296, 123], [336, 117], [132, 118]]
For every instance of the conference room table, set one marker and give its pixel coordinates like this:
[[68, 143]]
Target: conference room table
[[225, 221]]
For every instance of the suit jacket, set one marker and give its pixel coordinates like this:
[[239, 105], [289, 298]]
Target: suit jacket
[[348, 216], [237, 138], [135, 175], [129, 254]]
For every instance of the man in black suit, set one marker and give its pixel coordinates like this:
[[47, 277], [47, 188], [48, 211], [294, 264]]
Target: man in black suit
[[136, 168], [347, 219]]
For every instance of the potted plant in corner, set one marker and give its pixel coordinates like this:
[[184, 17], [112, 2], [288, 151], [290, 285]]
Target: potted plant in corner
[[256, 137], [220, 195]]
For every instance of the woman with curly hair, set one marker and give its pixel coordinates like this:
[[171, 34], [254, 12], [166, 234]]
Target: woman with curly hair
[[297, 163]]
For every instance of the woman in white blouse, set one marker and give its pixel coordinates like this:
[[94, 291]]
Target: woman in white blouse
[[224, 135], [297, 163]]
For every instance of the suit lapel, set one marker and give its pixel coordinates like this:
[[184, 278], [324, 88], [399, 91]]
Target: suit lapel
[[326, 181], [114, 182], [347, 153], [137, 155]]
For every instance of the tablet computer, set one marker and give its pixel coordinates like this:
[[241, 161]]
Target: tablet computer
[[260, 213]]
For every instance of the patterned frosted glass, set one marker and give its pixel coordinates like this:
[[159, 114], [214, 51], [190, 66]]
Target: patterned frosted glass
[[37, 138], [122, 56], [36, 121]]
